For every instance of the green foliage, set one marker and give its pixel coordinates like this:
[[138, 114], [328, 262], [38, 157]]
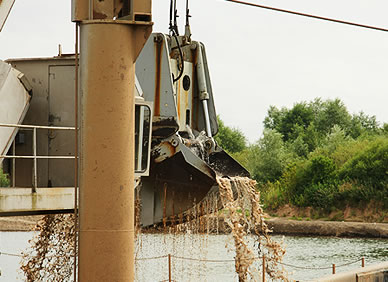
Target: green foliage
[[317, 154], [287, 122], [384, 128], [363, 124], [4, 181], [306, 125], [330, 113], [230, 139], [320, 170], [370, 166], [267, 158]]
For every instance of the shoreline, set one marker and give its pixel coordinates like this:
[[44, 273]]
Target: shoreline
[[328, 228], [283, 226]]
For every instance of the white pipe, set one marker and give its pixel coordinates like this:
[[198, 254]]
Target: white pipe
[[207, 121], [36, 157], [203, 94], [35, 176], [36, 126]]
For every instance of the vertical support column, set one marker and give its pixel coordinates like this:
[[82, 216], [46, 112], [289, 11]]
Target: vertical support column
[[35, 172], [76, 76], [13, 163], [106, 242], [169, 268], [263, 280]]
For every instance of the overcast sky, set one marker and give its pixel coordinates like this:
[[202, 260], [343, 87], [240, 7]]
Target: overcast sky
[[257, 58]]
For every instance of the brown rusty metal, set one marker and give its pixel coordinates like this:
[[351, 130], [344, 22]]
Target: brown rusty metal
[[163, 151], [165, 205], [107, 228], [264, 269], [79, 10], [169, 268], [158, 73], [172, 208], [163, 126], [142, 10], [202, 220]]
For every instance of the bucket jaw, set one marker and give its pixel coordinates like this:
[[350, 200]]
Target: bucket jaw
[[183, 172]]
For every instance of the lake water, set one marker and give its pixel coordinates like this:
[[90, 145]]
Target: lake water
[[195, 251]]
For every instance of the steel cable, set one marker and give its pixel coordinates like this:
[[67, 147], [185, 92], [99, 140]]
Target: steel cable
[[9, 254], [151, 258], [219, 261], [308, 15]]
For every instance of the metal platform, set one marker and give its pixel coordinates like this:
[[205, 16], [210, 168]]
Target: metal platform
[[22, 201]]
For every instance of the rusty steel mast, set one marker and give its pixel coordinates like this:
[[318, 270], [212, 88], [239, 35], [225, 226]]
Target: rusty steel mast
[[112, 34]]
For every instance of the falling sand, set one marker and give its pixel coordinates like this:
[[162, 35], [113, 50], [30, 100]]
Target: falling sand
[[245, 215], [51, 256]]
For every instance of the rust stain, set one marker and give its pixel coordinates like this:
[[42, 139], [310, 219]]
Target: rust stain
[[173, 210], [167, 152], [172, 149], [164, 205], [99, 16], [158, 73]]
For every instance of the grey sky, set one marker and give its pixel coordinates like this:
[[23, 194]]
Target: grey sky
[[257, 57]]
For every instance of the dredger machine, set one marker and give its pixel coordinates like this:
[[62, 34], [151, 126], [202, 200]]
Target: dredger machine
[[177, 158]]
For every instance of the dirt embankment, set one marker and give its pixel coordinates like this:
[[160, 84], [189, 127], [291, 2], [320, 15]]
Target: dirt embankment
[[328, 228], [371, 213], [371, 221]]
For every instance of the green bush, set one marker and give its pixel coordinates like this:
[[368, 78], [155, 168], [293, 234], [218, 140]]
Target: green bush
[[321, 170], [370, 166], [318, 154], [4, 181], [320, 195]]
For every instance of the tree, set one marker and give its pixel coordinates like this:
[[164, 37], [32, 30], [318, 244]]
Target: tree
[[230, 139], [286, 122], [308, 123], [331, 113], [268, 157], [361, 124]]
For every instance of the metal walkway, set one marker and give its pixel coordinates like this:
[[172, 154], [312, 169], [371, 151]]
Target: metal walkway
[[22, 201]]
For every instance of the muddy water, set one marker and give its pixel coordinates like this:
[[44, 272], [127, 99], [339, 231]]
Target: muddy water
[[309, 252]]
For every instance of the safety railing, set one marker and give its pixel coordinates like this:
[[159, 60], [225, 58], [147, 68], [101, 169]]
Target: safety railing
[[263, 259], [34, 155]]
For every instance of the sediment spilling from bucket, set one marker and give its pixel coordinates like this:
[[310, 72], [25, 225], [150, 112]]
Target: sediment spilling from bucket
[[245, 215], [233, 208], [51, 253]]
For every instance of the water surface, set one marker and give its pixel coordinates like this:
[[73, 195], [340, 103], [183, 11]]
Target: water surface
[[307, 252]]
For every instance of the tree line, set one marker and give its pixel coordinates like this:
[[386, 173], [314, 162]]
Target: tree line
[[315, 154]]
